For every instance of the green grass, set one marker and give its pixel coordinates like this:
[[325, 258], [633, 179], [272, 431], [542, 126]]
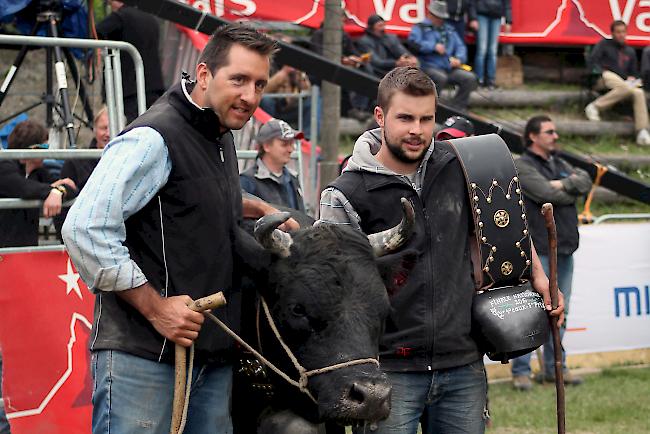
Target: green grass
[[612, 402], [616, 401], [605, 145]]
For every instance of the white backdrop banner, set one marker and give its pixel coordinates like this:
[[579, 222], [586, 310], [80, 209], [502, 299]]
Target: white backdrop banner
[[610, 301]]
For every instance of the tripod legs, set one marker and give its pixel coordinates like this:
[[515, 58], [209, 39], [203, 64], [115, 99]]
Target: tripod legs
[[62, 83]]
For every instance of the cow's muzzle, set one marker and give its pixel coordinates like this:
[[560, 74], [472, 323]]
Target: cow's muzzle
[[368, 400]]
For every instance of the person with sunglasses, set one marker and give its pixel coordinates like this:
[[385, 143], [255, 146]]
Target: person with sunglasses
[[28, 179], [545, 177]]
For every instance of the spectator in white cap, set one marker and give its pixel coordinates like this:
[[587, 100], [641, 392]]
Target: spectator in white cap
[[269, 178]]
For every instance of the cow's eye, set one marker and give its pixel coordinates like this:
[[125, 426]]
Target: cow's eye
[[299, 310]]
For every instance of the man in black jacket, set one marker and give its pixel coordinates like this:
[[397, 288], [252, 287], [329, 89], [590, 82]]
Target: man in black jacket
[[139, 28], [434, 364], [386, 50], [27, 179], [618, 66], [269, 178], [547, 178], [156, 226]]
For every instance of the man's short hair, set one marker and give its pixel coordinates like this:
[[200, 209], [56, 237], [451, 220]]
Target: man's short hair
[[215, 53], [408, 79], [26, 134], [615, 24], [534, 126]]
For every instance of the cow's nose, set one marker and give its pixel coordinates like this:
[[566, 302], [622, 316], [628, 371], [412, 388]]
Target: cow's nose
[[370, 399]]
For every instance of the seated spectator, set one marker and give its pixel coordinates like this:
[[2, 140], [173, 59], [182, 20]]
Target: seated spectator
[[385, 49], [617, 63], [350, 56], [27, 179], [442, 53], [79, 170], [455, 127], [286, 79], [269, 178]]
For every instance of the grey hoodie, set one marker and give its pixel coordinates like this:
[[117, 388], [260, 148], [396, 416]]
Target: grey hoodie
[[335, 208]]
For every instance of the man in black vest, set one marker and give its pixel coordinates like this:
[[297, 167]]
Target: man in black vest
[[547, 178], [156, 226], [269, 178], [434, 365]]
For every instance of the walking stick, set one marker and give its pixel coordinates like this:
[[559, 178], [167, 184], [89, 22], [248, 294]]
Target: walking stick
[[547, 211], [180, 379]]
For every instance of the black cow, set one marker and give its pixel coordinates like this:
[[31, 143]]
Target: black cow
[[326, 290]]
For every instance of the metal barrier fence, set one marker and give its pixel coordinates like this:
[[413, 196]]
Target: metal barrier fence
[[630, 216], [63, 154], [112, 70]]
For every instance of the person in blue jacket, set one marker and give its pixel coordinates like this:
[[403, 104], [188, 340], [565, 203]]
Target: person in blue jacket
[[442, 53]]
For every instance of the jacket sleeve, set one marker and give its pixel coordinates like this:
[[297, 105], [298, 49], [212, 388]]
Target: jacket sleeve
[[578, 183], [381, 63], [460, 50], [14, 185], [594, 59], [539, 189], [507, 6], [633, 65], [336, 209], [471, 10], [426, 45]]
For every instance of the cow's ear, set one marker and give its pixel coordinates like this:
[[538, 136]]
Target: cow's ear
[[395, 268]]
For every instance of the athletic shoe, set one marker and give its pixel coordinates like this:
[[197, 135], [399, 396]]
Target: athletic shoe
[[643, 138], [592, 112], [522, 382]]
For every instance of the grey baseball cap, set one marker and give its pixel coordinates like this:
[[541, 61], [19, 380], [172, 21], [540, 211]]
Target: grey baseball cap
[[277, 129]]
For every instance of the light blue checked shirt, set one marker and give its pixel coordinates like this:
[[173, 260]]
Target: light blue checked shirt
[[133, 168]]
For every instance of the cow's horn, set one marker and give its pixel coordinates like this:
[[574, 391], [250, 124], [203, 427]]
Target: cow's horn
[[392, 239], [271, 238]]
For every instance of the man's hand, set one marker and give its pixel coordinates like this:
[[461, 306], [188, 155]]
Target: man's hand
[[257, 208], [52, 204], [65, 181], [507, 28], [171, 317], [557, 184], [473, 25], [540, 284], [439, 48], [454, 62]]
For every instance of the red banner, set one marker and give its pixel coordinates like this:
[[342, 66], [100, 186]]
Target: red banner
[[548, 22], [47, 314]]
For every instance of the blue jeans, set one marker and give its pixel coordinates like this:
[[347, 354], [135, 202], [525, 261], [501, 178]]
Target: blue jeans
[[521, 365], [447, 401], [134, 395], [487, 41]]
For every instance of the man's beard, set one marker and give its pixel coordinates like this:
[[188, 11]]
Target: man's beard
[[399, 153]]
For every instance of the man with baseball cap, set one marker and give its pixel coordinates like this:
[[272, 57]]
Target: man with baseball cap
[[442, 53], [269, 178], [455, 127]]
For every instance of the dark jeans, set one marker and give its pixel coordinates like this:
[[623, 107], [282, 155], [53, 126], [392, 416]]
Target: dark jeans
[[448, 401], [465, 80], [4, 424], [134, 395], [521, 365]]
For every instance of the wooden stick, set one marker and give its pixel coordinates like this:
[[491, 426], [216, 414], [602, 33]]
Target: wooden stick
[[180, 371], [547, 211]]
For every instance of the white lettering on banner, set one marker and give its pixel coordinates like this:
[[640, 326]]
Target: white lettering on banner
[[249, 7], [627, 12], [410, 13], [642, 20], [627, 292]]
